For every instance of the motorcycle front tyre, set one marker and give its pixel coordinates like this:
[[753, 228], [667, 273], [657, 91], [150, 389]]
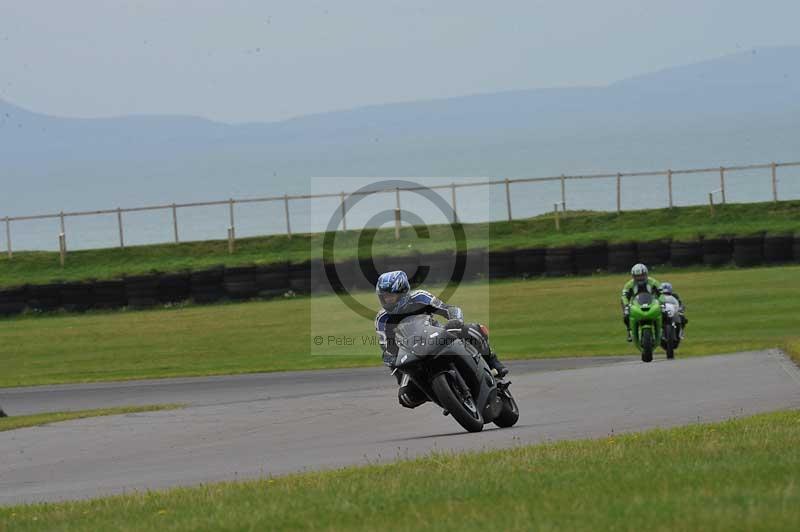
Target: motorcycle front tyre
[[471, 421]]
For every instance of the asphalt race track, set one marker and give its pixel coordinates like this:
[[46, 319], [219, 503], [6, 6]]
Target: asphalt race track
[[269, 424]]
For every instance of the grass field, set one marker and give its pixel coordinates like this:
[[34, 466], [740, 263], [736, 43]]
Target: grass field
[[576, 227], [730, 310], [737, 475], [792, 348], [19, 422]]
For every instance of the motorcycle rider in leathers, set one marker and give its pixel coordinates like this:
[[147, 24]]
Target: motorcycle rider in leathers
[[399, 301], [666, 290], [639, 282]]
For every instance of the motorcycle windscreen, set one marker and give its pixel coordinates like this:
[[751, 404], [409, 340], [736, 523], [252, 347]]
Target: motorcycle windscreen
[[418, 336], [644, 298], [671, 300]]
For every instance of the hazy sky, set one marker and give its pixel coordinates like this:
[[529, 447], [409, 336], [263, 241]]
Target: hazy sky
[[239, 61]]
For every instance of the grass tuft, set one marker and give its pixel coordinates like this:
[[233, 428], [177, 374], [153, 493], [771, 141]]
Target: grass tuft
[[35, 420]]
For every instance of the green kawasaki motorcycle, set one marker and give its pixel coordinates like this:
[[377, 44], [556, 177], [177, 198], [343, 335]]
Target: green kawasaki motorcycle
[[645, 319]]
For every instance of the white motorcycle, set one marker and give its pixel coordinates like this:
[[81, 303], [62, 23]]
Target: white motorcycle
[[673, 324]]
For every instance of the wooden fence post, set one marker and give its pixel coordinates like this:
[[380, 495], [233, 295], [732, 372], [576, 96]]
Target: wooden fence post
[[342, 201], [8, 238], [119, 224], [231, 240], [722, 183], [555, 212], [453, 198], [62, 248], [231, 229], [619, 192], [711, 202], [563, 194], [175, 222], [508, 200], [286, 210], [397, 214], [63, 231], [774, 167], [669, 186]]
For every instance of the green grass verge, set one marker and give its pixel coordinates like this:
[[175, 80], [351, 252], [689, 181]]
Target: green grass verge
[[730, 310], [736, 475], [792, 348], [576, 227], [19, 422]]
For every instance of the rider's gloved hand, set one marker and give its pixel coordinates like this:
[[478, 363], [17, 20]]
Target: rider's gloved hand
[[454, 324], [389, 359]]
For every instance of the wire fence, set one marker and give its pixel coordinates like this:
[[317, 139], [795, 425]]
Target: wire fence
[[285, 201]]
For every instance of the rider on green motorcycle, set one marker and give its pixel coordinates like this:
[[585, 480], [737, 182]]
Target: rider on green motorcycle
[[640, 282]]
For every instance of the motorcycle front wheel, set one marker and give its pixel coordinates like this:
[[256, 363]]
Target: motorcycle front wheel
[[669, 340], [463, 409], [509, 415], [647, 345]]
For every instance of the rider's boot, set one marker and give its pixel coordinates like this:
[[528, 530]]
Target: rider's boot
[[496, 365], [630, 336], [408, 394]]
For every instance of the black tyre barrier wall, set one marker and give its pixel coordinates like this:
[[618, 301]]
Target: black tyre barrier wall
[[408, 264], [655, 253], [748, 250], [591, 258], [174, 287], [529, 262], [318, 281], [366, 275], [275, 280], [560, 261], [240, 282], [717, 251], [352, 273], [206, 285], [621, 257], [778, 249], [142, 290], [45, 297], [686, 253], [272, 280], [76, 297], [477, 265], [440, 266], [501, 264], [300, 277], [347, 273], [109, 294], [13, 301]]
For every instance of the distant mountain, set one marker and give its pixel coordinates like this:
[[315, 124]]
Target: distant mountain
[[741, 108]]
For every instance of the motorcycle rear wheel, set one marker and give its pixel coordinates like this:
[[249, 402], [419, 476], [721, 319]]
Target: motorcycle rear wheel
[[647, 345], [464, 411]]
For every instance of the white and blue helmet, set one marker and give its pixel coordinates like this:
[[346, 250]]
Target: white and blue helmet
[[393, 290], [666, 288]]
